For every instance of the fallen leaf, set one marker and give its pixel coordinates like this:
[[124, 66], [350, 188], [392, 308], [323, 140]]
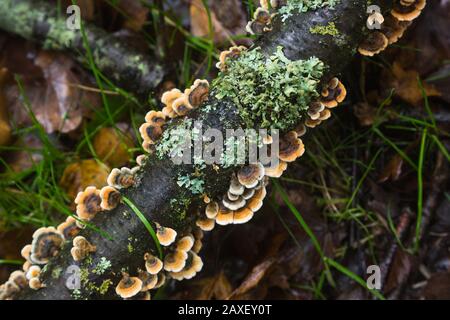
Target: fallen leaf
[[253, 278], [79, 175], [227, 19], [112, 146], [438, 287], [399, 270], [56, 99], [216, 287], [365, 113], [26, 154], [392, 170], [405, 83], [136, 14]]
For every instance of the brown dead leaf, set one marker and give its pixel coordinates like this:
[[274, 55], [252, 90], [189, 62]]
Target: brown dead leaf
[[57, 101], [399, 270], [136, 14], [405, 83], [5, 127], [253, 278], [227, 19], [216, 287], [392, 170], [365, 113], [438, 287], [79, 175], [112, 146], [27, 153]]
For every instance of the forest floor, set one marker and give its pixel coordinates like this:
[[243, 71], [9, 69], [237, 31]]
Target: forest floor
[[371, 190]]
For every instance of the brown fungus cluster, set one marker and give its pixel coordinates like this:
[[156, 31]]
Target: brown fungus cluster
[[393, 25]]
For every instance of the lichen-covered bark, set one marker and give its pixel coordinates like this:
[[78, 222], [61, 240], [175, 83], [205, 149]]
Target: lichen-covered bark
[[39, 21], [157, 186]]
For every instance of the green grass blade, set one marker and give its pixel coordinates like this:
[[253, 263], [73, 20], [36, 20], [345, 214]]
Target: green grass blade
[[420, 190], [147, 224]]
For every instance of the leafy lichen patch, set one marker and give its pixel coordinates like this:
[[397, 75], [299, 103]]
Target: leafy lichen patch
[[304, 6], [270, 92]]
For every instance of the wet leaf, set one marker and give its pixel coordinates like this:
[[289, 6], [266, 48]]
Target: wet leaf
[[112, 146], [28, 153], [227, 19], [57, 100], [392, 170], [405, 83], [253, 278], [217, 287], [79, 175], [399, 270], [136, 14]]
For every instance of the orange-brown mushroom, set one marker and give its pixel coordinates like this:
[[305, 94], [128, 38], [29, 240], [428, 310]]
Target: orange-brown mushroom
[[406, 10], [291, 147], [128, 286], [373, 44], [197, 94], [88, 203], [110, 198]]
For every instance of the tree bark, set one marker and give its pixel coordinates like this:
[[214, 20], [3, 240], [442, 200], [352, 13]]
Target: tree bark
[[157, 194], [126, 67]]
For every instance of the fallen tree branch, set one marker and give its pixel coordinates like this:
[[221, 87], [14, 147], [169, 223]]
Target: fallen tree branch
[[156, 192], [39, 21]]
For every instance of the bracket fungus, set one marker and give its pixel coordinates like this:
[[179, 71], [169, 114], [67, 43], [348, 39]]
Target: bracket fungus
[[153, 264], [68, 228], [122, 178], [46, 244], [88, 203], [128, 286], [165, 235], [81, 248], [110, 198]]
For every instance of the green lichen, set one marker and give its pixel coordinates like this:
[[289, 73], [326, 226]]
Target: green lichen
[[59, 37], [174, 140], [329, 29], [192, 183], [103, 265], [304, 6], [270, 92]]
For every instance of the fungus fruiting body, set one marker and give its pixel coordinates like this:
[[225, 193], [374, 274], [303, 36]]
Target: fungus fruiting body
[[166, 236], [121, 178], [68, 228], [153, 264], [110, 198], [128, 286], [81, 248], [88, 203], [46, 244]]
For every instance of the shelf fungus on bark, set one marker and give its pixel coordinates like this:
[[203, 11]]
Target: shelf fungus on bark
[[375, 42], [291, 147], [206, 224], [33, 272], [314, 110], [153, 264], [231, 53], [149, 280], [68, 228], [46, 244], [185, 243], [165, 235], [333, 94], [197, 94], [122, 178], [262, 22], [407, 10], [88, 203], [175, 261], [129, 286], [276, 171], [193, 265], [168, 98], [110, 198], [150, 133], [250, 175], [156, 118], [81, 248], [394, 29]]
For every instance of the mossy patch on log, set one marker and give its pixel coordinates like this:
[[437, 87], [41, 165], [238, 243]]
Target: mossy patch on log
[[303, 6]]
